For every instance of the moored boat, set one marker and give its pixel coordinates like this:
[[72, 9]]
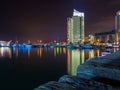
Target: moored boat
[[87, 46], [105, 53]]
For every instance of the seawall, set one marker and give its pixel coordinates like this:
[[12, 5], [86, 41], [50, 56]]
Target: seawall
[[99, 73]]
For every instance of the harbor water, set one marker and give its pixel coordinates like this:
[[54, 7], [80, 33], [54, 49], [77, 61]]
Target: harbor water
[[27, 68]]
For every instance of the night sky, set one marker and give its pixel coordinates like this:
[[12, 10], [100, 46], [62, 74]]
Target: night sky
[[47, 19]]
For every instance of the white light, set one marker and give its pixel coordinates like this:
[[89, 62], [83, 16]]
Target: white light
[[77, 13], [118, 13], [4, 43]]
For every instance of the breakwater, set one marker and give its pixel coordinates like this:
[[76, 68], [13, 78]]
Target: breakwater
[[98, 73]]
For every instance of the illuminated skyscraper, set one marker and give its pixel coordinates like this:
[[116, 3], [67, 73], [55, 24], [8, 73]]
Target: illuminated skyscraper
[[117, 26], [75, 27]]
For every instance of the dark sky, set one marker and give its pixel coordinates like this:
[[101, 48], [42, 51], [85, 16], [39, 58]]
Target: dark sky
[[47, 19]]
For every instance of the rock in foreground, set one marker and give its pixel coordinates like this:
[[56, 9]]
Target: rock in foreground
[[104, 69]]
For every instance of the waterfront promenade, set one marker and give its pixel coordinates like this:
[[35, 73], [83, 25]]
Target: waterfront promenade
[[98, 73]]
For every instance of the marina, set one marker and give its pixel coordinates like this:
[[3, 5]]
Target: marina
[[54, 45], [60, 45]]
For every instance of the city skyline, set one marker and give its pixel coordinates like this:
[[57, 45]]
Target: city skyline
[[47, 20]]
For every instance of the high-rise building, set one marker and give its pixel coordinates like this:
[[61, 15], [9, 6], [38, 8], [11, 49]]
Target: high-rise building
[[117, 26], [75, 27]]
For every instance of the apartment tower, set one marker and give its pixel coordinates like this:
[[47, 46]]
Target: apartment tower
[[75, 27]]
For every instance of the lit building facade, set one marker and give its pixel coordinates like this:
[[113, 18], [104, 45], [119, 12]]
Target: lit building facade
[[75, 27], [117, 26]]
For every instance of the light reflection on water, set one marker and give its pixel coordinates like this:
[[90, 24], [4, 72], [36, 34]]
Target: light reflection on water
[[37, 60], [6, 52], [75, 58], [39, 52], [75, 54]]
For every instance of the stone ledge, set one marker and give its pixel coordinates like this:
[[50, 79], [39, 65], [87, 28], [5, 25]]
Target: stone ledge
[[68, 82], [53, 85], [84, 84]]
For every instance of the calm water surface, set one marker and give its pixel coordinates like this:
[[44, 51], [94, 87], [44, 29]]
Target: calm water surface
[[22, 68]]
